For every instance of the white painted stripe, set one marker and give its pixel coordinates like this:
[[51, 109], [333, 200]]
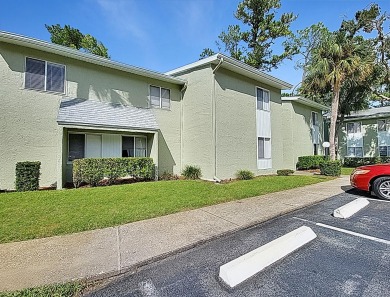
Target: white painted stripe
[[241, 268], [350, 208], [354, 233], [345, 231]]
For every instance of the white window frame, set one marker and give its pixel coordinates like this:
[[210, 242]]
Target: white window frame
[[101, 134], [354, 126], [269, 100], [135, 136], [354, 154], [45, 82], [264, 149], [387, 125], [387, 150], [160, 106]]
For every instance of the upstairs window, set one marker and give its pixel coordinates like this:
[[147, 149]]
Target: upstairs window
[[262, 97], [383, 126], [44, 76], [314, 118], [160, 97], [354, 128]]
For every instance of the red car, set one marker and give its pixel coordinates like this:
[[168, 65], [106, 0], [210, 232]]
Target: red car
[[373, 178]]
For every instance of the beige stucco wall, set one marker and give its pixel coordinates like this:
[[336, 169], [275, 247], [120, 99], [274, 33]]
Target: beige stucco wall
[[28, 127], [297, 137], [370, 137]]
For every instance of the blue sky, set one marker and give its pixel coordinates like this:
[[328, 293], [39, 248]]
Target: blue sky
[[163, 34]]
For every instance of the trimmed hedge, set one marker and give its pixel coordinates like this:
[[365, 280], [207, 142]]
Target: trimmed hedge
[[284, 172], [310, 162], [356, 162], [192, 172], [331, 168], [27, 176], [93, 170], [245, 174]]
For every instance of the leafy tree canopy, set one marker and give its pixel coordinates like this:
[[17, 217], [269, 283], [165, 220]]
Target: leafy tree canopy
[[260, 29], [72, 37]]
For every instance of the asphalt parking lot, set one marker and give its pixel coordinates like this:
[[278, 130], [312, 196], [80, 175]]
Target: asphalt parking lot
[[349, 257]]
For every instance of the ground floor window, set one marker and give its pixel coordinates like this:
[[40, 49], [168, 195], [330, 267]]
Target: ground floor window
[[81, 145], [355, 152], [76, 148], [384, 151], [133, 146], [264, 148], [315, 149]]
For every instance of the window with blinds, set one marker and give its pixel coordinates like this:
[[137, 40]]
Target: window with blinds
[[160, 97], [44, 76], [264, 148], [262, 97]]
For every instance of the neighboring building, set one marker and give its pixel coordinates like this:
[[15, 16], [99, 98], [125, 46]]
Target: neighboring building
[[59, 104], [366, 133], [303, 135]]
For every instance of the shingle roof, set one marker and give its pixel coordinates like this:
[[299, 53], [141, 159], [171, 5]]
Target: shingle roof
[[371, 112], [92, 113]]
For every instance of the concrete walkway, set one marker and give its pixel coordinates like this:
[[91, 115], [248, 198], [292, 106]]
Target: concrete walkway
[[111, 251]]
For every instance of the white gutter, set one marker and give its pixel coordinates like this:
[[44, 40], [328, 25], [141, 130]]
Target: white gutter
[[182, 124], [214, 118]]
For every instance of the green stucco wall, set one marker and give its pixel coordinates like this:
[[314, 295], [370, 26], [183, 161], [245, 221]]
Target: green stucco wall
[[235, 144], [297, 132], [370, 137], [29, 130]]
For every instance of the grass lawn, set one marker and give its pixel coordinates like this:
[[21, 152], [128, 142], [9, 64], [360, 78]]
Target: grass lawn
[[27, 215], [346, 170], [63, 290]]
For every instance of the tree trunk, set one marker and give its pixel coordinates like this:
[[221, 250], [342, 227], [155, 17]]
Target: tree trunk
[[333, 121]]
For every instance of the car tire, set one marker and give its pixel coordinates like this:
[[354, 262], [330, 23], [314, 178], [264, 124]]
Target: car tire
[[381, 187]]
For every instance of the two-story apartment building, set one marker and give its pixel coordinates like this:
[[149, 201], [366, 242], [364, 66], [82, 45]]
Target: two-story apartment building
[[366, 133], [59, 104]]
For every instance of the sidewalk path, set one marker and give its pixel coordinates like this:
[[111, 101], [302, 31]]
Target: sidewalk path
[[111, 251]]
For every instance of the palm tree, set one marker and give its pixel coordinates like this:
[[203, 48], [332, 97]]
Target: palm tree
[[337, 59]]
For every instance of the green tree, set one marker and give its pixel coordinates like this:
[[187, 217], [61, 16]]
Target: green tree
[[264, 30], [72, 37], [338, 61], [252, 41], [207, 52]]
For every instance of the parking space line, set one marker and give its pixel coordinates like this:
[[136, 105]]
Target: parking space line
[[378, 200], [347, 231]]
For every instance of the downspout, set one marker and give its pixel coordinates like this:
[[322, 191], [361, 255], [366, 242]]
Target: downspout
[[182, 124], [214, 116]]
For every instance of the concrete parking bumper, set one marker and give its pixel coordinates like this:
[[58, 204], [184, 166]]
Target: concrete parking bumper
[[107, 252]]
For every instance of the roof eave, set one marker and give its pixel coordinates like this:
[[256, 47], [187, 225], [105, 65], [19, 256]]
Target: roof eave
[[238, 67], [90, 58], [307, 102]]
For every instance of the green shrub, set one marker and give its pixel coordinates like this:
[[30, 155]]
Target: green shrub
[[284, 172], [27, 176], [310, 162], [192, 172], [331, 168], [93, 170], [356, 162], [245, 174]]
